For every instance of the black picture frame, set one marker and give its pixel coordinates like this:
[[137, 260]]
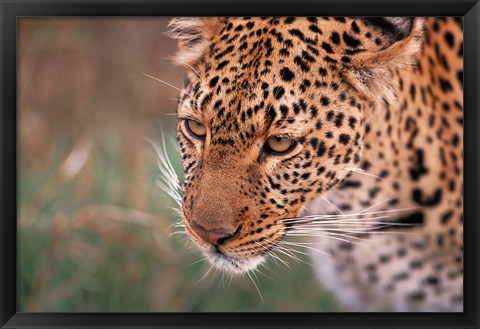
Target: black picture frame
[[11, 10]]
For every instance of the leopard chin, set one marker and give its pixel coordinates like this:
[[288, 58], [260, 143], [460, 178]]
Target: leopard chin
[[232, 264]]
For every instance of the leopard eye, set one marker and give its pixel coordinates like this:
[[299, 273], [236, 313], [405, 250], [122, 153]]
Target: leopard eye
[[197, 130], [280, 145]]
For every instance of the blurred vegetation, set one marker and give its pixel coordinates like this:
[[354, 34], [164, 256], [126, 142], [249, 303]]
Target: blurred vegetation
[[95, 231]]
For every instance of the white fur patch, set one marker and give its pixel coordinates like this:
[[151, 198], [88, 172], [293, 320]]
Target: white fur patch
[[193, 38], [233, 264]]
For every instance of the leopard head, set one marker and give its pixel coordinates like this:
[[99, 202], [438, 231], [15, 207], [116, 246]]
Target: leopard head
[[270, 115]]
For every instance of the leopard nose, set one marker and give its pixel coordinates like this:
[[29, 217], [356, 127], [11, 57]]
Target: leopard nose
[[215, 236]]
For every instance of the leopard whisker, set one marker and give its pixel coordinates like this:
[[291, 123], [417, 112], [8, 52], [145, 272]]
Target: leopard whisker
[[276, 257], [324, 199], [320, 235], [168, 181], [326, 234], [302, 245], [289, 254], [177, 233], [168, 190], [323, 220], [204, 276], [164, 82], [363, 212], [289, 249], [326, 216], [379, 203], [271, 255], [362, 172], [319, 232], [347, 224], [201, 259], [178, 224], [256, 286], [348, 228], [178, 211], [167, 177], [334, 225], [267, 266], [222, 280], [288, 243], [168, 163], [229, 282], [280, 248], [374, 232], [187, 242], [171, 59], [196, 72], [212, 278], [329, 234], [346, 217], [257, 270]]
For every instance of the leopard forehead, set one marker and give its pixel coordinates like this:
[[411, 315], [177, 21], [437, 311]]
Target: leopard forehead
[[278, 73]]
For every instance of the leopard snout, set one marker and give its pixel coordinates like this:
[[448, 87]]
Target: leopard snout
[[215, 236]]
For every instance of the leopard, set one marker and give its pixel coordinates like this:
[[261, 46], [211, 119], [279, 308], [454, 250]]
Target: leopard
[[345, 131]]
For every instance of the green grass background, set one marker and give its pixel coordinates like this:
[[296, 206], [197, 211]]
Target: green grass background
[[95, 231]]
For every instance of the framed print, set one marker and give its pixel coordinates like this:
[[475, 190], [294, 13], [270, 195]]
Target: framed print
[[225, 164]]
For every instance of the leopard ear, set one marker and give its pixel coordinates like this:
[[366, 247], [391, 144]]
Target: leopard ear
[[371, 71], [193, 35]]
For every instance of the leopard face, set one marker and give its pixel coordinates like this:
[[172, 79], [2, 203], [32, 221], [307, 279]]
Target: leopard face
[[272, 114], [268, 119]]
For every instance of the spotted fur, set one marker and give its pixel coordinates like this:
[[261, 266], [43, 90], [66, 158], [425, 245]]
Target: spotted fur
[[375, 108]]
